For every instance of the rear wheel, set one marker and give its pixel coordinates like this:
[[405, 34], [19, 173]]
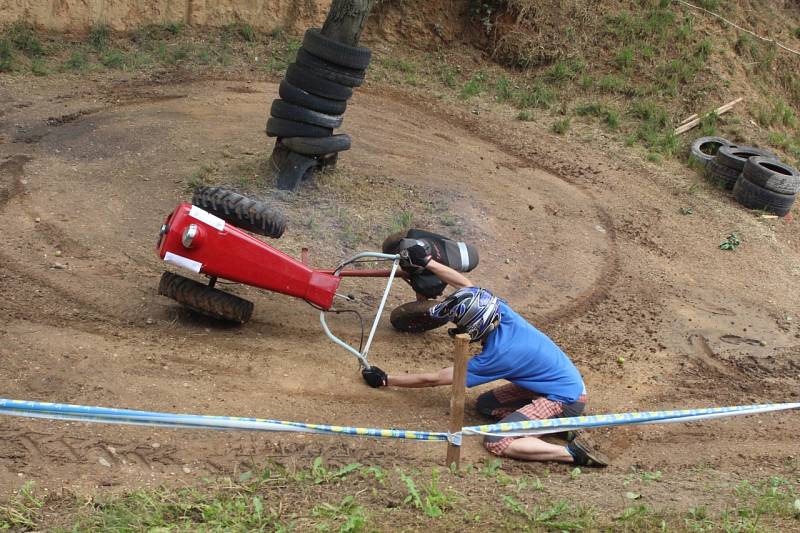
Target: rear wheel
[[413, 317], [204, 299], [241, 211]]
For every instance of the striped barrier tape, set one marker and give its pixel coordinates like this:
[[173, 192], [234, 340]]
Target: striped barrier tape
[[107, 415]]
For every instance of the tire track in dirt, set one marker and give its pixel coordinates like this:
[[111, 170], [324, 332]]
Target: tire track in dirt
[[489, 133]]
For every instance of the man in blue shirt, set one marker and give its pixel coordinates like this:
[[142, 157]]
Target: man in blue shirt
[[543, 381]]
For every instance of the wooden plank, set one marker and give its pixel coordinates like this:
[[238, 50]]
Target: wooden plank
[[458, 392], [720, 110]]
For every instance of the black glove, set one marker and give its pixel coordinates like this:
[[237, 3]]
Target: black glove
[[414, 258], [374, 376]]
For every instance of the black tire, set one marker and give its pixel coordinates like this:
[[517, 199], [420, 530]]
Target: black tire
[[330, 71], [772, 175], [241, 211], [280, 127], [755, 197], [705, 149], [413, 317], [310, 81], [736, 156], [391, 244], [296, 96], [204, 299], [721, 175], [285, 110], [354, 57], [319, 145]]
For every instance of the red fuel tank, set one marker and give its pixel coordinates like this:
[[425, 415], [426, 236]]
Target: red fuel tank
[[195, 239]]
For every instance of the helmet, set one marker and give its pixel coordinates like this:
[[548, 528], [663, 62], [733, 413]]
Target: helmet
[[475, 311]]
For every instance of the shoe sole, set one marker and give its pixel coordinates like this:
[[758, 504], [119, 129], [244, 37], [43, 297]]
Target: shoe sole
[[599, 458]]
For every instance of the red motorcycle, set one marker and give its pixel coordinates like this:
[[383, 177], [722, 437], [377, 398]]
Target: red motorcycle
[[208, 237]]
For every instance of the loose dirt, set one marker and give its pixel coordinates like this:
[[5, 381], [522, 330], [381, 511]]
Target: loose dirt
[[586, 242]]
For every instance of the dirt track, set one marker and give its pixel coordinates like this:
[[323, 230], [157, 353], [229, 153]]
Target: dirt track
[[593, 250]]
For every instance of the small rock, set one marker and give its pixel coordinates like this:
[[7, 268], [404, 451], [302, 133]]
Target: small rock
[[508, 261], [111, 450], [59, 266], [508, 277], [600, 228], [57, 253], [103, 461], [185, 384], [187, 470], [155, 445], [37, 220], [149, 321]]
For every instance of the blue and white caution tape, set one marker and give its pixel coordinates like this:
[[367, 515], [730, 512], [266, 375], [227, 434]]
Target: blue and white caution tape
[[554, 425], [107, 415]]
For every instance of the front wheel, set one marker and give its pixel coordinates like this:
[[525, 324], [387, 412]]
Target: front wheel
[[204, 299]]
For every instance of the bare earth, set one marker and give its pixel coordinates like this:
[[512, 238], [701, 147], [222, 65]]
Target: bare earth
[[587, 243]]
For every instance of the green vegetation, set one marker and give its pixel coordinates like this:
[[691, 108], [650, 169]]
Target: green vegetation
[[474, 86], [352, 498], [99, 36], [561, 126]]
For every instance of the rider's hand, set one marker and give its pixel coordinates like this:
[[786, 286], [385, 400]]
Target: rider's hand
[[374, 376], [414, 258]]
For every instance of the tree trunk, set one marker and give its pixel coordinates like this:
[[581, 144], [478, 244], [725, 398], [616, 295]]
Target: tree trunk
[[344, 23], [346, 19]]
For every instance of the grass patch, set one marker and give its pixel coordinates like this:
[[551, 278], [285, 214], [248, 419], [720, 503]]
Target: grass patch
[[6, 55], [25, 39], [99, 36], [475, 85], [535, 95], [609, 116], [561, 126], [78, 60]]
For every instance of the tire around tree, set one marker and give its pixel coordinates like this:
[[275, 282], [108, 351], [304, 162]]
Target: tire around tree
[[297, 96], [772, 175], [705, 149], [241, 211], [204, 299], [319, 145], [330, 71], [285, 110], [756, 197], [354, 57], [281, 127], [721, 175], [413, 317], [310, 81]]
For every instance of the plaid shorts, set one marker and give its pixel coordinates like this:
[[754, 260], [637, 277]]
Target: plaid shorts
[[512, 403]]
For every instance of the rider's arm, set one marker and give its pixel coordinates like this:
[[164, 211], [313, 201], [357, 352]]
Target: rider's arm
[[448, 275], [426, 379]]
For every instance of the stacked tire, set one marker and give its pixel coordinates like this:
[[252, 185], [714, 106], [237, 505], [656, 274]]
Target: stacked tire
[[767, 184], [758, 178], [314, 94]]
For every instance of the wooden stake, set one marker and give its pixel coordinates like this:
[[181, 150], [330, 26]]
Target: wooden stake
[[720, 110], [459, 386], [687, 119]]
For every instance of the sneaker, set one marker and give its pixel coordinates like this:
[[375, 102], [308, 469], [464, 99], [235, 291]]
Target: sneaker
[[585, 455]]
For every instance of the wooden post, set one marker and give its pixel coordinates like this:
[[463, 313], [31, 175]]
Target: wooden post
[[460, 358]]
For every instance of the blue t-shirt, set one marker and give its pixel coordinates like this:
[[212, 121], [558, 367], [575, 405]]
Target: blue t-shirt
[[520, 353]]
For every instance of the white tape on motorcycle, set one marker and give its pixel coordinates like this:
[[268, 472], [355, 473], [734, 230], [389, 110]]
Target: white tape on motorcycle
[[206, 217], [183, 262]]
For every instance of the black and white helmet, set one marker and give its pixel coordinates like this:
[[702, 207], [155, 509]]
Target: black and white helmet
[[474, 311]]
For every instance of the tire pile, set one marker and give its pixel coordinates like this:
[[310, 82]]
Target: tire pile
[[314, 94], [758, 178]]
